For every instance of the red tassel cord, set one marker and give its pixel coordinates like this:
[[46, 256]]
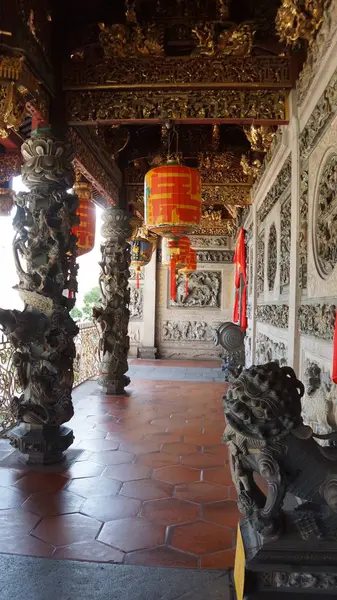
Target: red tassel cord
[[334, 360], [186, 285]]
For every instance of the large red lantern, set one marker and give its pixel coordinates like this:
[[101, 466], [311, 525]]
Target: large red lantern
[[172, 197], [86, 211], [141, 253]]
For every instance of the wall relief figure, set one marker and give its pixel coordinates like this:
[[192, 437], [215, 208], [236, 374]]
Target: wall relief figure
[[325, 220], [272, 257], [204, 289], [274, 314], [136, 304], [260, 264], [317, 320], [188, 331], [317, 402], [285, 244], [215, 256], [268, 350]]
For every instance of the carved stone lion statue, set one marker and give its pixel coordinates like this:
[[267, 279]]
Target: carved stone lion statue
[[265, 434]]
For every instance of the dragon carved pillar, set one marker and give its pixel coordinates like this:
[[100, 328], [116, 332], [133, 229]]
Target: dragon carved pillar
[[113, 318], [43, 333]]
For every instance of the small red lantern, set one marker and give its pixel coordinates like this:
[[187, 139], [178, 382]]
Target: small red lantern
[[141, 252], [177, 255], [85, 231]]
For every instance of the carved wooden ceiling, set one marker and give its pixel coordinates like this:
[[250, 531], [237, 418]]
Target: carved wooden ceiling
[[212, 69]]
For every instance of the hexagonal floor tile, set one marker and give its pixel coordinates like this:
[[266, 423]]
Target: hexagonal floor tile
[[16, 522], [67, 529], [112, 458], [178, 449], [94, 486], [218, 560], [98, 445], [157, 460], [78, 470], [146, 489], [11, 497], [109, 508], [128, 472], [9, 476], [220, 475], [41, 482], [170, 511], [224, 513], [162, 557], [132, 534], [201, 491], [176, 474], [200, 460], [48, 505], [26, 545], [89, 551], [140, 447], [201, 538]]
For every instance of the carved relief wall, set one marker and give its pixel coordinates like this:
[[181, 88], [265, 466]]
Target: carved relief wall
[[185, 328]]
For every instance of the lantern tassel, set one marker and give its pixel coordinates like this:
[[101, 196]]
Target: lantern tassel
[[173, 281], [186, 285], [334, 364], [137, 279]]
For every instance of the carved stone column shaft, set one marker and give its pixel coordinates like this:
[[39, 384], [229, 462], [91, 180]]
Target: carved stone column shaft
[[43, 333], [113, 317]]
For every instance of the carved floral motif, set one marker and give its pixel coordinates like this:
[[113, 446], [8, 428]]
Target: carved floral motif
[[260, 264], [274, 314], [272, 257], [204, 289], [325, 226]]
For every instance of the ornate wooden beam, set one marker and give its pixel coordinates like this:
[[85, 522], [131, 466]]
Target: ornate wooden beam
[[194, 72], [263, 107]]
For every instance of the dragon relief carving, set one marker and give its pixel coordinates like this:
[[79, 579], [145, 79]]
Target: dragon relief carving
[[203, 290], [325, 227], [45, 257], [112, 317], [212, 41], [265, 434]]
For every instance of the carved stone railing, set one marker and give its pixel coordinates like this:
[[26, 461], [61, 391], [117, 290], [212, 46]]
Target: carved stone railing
[[85, 367], [85, 364]]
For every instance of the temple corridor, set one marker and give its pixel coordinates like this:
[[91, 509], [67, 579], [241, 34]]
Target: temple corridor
[[147, 481]]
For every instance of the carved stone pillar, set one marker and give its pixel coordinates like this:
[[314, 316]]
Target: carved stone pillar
[[43, 333], [113, 318]]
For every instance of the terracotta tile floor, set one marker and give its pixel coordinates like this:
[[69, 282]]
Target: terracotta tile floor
[[146, 482]]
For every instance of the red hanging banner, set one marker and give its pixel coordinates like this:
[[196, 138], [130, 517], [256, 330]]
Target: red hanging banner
[[240, 273]]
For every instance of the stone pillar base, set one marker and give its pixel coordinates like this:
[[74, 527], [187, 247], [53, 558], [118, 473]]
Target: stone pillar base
[[41, 445], [147, 352], [114, 387]]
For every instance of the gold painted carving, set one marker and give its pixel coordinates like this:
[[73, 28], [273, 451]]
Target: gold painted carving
[[221, 167], [92, 170], [300, 19], [271, 71], [250, 166], [12, 108], [260, 137], [14, 69], [10, 166], [237, 41], [227, 105]]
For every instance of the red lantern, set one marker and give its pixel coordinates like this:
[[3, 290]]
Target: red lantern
[[172, 197], [85, 231], [177, 255], [141, 252]]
